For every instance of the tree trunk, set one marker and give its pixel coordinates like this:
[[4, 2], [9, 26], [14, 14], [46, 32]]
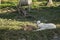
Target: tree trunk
[[50, 3]]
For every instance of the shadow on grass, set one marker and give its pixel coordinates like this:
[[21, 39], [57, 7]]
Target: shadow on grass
[[51, 14], [6, 34]]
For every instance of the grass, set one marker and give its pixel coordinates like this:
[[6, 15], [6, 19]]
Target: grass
[[11, 23]]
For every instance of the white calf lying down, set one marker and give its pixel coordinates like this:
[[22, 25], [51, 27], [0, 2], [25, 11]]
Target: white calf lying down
[[43, 26]]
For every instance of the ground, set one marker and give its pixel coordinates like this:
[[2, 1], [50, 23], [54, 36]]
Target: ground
[[11, 23]]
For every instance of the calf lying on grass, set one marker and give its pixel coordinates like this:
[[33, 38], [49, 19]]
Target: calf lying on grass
[[43, 26]]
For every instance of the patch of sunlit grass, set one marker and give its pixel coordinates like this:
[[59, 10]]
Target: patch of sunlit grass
[[13, 24]]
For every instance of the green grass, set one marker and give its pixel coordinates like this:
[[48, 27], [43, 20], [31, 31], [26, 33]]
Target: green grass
[[11, 23]]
